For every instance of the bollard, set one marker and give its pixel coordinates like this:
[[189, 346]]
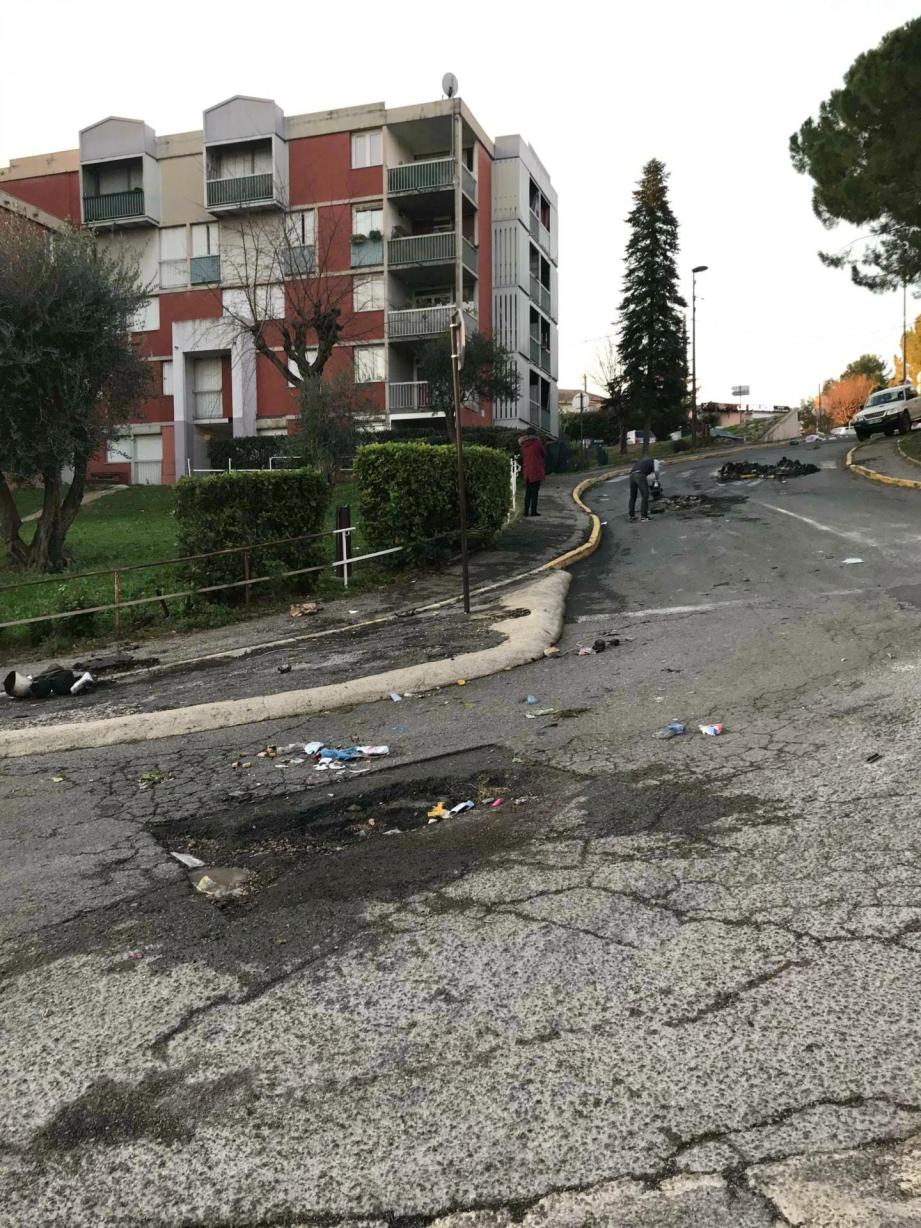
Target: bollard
[[343, 541]]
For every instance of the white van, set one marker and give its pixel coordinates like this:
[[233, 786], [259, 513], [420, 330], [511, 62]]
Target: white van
[[888, 410]]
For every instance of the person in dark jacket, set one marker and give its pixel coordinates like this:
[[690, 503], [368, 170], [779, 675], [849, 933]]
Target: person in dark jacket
[[640, 474], [533, 455]]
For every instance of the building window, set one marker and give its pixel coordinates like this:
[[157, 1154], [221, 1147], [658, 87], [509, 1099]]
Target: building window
[[367, 221], [369, 364], [367, 148], [299, 255], [174, 268], [205, 265], [119, 450], [167, 370], [310, 357], [240, 161], [368, 293]]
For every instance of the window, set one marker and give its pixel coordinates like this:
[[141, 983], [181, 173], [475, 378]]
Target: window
[[301, 228], [174, 269], [369, 364], [365, 220], [119, 450], [367, 148], [269, 301], [167, 371], [310, 356], [147, 317], [205, 239], [368, 293], [434, 298], [239, 161]]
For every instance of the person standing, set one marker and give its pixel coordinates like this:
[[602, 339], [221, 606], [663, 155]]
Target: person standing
[[640, 474], [533, 468]]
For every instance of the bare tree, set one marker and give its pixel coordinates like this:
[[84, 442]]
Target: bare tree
[[289, 298], [609, 374]]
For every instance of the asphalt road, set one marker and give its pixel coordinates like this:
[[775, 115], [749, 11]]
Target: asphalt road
[[667, 982]]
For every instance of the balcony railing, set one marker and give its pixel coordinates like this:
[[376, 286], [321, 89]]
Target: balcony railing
[[204, 269], [208, 406], [242, 190], [545, 299], [298, 261], [535, 288], [422, 249], [469, 255], [409, 397], [535, 351], [368, 253], [534, 407], [545, 419], [468, 183], [545, 360], [433, 175], [113, 206], [539, 231], [412, 322]]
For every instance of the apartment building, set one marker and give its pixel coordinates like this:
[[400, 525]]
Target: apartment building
[[392, 212]]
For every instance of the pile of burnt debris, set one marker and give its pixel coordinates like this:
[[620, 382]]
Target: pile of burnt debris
[[734, 471]]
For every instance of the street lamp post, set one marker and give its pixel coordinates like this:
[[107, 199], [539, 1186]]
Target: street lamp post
[[700, 268]]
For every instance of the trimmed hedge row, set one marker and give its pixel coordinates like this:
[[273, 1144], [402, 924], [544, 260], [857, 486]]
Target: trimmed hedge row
[[407, 495], [238, 509], [245, 452]]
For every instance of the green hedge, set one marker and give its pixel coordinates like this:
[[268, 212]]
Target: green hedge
[[239, 509], [247, 452], [407, 494]]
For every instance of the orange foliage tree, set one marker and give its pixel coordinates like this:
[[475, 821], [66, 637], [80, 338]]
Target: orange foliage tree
[[843, 397]]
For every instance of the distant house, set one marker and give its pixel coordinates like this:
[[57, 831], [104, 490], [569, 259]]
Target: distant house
[[566, 398], [728, 413]]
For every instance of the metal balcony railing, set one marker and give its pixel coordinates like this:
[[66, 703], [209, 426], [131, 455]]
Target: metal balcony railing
[[535, 288], [242, 190], [113, 206], [432, 175], [534, 407], [539, 231], [368, 253], [535, 350], [411, 396], [418, 322], [545, 299], [468, 183], [422, 249], [545, 359], [208, 406], [204, 269], [469, 255]]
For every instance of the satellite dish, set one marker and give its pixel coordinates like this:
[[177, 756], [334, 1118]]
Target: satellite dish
[[449, 84]]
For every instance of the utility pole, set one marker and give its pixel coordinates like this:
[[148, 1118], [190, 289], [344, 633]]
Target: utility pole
[[457, 361], [582, 401], [904, 329], [700, 268]]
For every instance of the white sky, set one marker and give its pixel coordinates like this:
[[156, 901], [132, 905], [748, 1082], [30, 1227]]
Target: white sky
[[714, 88]]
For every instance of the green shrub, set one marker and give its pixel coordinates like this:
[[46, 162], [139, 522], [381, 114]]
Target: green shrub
[[407, 495], [681, 445], [504, 438], [238, 509], [249, 452]]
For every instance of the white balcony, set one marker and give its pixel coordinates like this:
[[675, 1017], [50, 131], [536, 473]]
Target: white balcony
[[422, 322], [209, 406], [409, 396]]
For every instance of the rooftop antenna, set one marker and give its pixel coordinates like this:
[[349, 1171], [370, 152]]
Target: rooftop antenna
[[449, 85]]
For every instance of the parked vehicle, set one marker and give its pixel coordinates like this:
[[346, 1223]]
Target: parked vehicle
[[888, 410]]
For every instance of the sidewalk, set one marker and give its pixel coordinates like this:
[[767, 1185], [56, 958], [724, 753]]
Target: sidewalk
[[881, 456]]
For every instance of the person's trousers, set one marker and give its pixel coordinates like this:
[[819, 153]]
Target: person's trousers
[[530, 498], [639, 485]]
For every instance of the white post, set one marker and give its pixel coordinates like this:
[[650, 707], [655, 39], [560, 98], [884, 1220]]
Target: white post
[[514, 470]]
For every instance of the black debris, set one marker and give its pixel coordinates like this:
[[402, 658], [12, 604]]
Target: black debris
[[875, 757], [734, 471]]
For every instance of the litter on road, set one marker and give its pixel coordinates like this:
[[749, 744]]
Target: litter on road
[[438, 811], [188, 860], [221, 881], [300, 608], [461, 807], [875, 757], [711, 731], [56, 680], [396, 697], [531, 699], [284, 669], [848, 561], [673, 730], [734, 471]]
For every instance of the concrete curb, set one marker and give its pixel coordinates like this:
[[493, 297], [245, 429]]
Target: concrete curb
[[912, 460], [884, 478], [526, 639]]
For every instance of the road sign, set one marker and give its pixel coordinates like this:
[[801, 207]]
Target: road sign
[[740, 390]]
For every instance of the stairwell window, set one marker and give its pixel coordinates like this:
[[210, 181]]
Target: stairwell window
[[369, 364], [174, 263], [367, 149]]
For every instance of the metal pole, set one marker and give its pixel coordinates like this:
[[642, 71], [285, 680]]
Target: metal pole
[[343, 540], [582, 400], [904, 330], [118, 598], [458, 436], [247, 573], [693, 359]]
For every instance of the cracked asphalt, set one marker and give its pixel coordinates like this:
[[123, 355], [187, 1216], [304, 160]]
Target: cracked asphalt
[[665, 983]]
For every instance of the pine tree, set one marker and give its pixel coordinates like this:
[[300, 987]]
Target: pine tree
[[652, 346]]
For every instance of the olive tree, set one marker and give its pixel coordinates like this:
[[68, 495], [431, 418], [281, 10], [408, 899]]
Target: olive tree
[[70, 373]]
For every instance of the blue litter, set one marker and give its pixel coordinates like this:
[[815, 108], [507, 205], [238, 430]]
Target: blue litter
[[346, 756]]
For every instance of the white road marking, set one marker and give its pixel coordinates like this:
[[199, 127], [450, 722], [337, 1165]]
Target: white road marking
[[852, 535], [708, 606]]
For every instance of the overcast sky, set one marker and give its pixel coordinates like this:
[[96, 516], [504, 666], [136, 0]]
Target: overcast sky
[[713, 88]]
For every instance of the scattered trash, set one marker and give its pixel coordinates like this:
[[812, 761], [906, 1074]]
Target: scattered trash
[[599, 646], [394, 831], [847, 561], [674, 730], [188, 860], [240, 764], [286, 763], [57, 780], [712, 731], [461, 807], [497, 803], [149, 779], [353, 611], [552, 651], [299, 609], [345, 756], [270, 752], [135, 954], [284, 669], [520, 801], [531, 716], [313, 748], [220, 882], [438, 811], [531, 699], [56, 680], [372, 751], [734, 471], [875, 757], [462, 682], [396, 697], [584, 650]]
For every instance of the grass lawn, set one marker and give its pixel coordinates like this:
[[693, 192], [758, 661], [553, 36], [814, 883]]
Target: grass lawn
[[130, 527], [28, 501], [910, 445]]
